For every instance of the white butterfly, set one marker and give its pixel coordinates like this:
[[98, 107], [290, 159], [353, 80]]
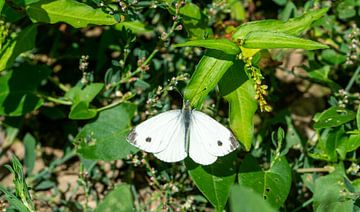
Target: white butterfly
[[175, 134]]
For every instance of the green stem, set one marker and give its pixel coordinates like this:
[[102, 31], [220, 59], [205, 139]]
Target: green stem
[[352, 80], [138, 70], [59, 101], [125, 98], [58, 84]]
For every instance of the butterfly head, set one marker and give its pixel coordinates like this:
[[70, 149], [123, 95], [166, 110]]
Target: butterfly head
[[187, 106]]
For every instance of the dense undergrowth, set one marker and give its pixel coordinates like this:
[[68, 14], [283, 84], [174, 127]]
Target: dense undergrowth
[[76, 76]]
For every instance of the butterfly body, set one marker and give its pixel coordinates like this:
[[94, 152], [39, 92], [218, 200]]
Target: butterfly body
[[173, 135]]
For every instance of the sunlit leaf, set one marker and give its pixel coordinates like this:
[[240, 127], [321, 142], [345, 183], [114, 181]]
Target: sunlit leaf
[[239, 91], [105, 137], [119, 199], [273, 184], [272, 40], [214, 180], [24, 41], [208, 73], [72, 12], [223, 45]]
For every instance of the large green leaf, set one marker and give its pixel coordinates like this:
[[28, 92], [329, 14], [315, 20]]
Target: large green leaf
[[331, 193], [119, 199], [18, 89], [214, 180], [223, 45], [273, 184], [273, 40], [208, 73], [239, 91], [247, 200], [24, 41], [333, 117], [71, 12], [105, 137], [293, 26]]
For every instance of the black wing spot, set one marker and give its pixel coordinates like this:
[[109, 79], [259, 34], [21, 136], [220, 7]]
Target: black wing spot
[[148, 139], [219, 143]]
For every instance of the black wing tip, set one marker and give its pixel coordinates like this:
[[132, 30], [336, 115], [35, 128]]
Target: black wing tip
[[132, 137], [234, 144]]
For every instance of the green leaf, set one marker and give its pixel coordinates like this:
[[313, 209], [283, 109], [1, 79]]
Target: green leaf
[[321, 76], [105, 137], [333, 117], [214, 180], [13, 200], [246, 200], [273, 184], [326, 147], [223, 45], [208, 73], [358, 118], [136, 27], [30, 154], [293, 26], [81, 111], [81, 99], [195, 22], [346, 9], [71, 12], [331, 194], [24, 41], [1, 5], [348, 145], [119, 199], [237, 10], [239, 91], [18, 89], [272, 40], [330, 56]]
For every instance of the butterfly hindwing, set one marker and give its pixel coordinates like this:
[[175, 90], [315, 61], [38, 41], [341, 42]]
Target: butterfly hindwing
[[162, 135], [209, 139]]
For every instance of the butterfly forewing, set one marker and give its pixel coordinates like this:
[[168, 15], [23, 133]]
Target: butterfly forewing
[[156, 133], [215, 139]]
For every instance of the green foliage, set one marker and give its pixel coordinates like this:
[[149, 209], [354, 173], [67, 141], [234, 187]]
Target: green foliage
[[273, 184], [23, 41], [71, 12], [273, 40], [22, 200], [17, 95], [77, 76], [243, 199], [215, 180], [105, 137], [119, 199]]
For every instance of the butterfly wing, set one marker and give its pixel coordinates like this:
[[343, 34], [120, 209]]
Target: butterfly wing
[[162, 135], [209, 139]]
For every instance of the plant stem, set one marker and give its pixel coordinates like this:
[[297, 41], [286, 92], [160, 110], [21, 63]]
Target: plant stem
[[125, 98], [58, 84], [307, 170], [352, 80], [59, 101], [138, 70]]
